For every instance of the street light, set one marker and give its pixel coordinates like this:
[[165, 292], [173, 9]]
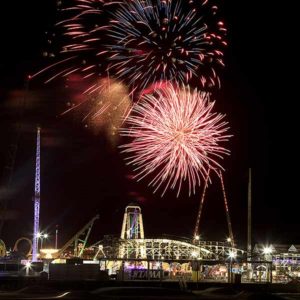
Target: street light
[[27, 267], [43, 236], [267, 251], [232, 255]]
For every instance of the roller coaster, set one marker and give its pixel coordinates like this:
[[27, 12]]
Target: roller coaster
[[164, 249], [132, 244]]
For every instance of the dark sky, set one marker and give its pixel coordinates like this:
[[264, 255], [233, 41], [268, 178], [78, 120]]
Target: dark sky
[[83, 174]]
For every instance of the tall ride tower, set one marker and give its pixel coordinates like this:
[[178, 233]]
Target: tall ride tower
[[132, 227], [133, 230], [37, 190], [249, 246]]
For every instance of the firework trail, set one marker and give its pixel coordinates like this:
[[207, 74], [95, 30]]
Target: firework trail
[[175, 137], [158, 40]]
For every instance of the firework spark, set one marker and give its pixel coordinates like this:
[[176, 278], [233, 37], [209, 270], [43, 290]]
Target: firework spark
[[157, 40], [176, 138]]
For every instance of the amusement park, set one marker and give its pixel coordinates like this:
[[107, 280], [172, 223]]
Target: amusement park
[[131, 255]]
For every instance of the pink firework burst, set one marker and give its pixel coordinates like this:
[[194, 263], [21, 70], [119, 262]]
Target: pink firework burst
[[176, 137]]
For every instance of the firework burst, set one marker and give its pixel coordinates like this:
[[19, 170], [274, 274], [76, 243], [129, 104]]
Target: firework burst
[[176, 138], [76, 43], [157, 40]]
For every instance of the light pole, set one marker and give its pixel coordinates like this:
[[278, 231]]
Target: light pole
[[27, 268], [232, 255], [56, 236], [267, 251], [43, 236]]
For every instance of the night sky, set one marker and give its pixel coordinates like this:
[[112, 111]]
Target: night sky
[[82, 174]]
